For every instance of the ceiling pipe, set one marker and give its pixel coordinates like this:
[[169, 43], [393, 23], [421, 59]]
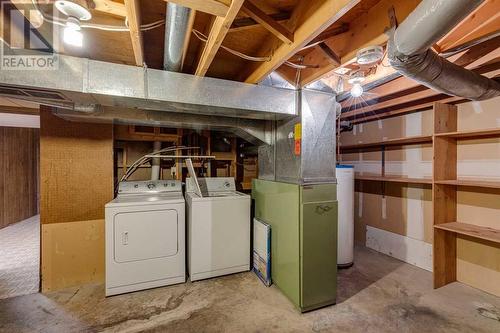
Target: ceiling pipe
[[177, 26], [410, 53], [177, 22]]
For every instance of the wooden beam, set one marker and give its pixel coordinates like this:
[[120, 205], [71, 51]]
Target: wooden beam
[[327, 34], [217, 34], [213, 7], [110, 7], [329, 53], [483, 21], [267, 22], [368, 29], [249, 23], [310, 18], [134, 22]]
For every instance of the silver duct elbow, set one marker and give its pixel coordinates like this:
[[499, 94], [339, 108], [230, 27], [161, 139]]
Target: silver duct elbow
[[410, 54]]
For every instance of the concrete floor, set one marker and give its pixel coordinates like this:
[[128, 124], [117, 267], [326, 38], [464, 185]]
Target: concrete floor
[[20, 258], [378, 294]]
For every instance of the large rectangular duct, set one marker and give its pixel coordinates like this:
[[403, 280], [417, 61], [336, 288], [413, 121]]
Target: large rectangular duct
[[303, 149], [84, 82]]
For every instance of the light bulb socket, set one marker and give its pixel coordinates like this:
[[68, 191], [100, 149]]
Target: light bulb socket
[[73, 23]]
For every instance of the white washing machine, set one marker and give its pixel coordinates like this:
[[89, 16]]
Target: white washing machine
[[145, 236], [218, 222]]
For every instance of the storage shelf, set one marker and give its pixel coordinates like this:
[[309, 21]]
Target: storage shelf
[[468, 135], [395, 179], [489, 234], [470, 182], [412, 140]]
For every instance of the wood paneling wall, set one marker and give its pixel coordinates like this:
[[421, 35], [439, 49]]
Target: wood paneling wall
[[76, 173], [19, 149]]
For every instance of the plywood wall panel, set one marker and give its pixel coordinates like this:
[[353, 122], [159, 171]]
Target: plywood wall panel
[[72, 254], [76, 166], [18, 174]]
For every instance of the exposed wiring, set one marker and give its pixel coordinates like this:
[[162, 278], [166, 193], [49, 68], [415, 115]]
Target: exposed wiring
[[105, 27], [204, 39]]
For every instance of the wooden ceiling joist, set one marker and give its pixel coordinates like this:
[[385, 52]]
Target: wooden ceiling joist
[[213, 7], [366, 30], [217, 34], [311, 18], [134, 21], [267, 22], [110, 7], [245, 23], [483, 21]]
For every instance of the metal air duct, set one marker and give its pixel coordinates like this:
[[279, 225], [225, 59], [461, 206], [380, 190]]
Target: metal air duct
[[410, 54], [176, 28]]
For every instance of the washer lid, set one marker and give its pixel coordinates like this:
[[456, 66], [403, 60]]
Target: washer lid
[[134, 200]]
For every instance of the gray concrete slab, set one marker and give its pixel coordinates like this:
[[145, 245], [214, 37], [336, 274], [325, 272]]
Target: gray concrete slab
[[378, 294]]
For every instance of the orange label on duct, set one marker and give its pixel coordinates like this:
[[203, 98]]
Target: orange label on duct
[[297, 147]]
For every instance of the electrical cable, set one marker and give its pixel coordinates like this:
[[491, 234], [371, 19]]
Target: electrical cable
[[105, 27]]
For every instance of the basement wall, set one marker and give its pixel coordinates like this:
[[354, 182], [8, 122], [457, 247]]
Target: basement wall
[[18, 174], [399, 223], [76, 172]]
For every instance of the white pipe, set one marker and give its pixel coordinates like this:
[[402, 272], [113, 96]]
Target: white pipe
[[155, 166]]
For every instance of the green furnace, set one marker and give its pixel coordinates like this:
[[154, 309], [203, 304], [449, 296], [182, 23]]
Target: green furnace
[[303, 221], [296, 194]]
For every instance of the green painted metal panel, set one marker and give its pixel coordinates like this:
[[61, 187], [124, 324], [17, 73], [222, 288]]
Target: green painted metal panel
[[318, 246], [278, 204], [303, 223]]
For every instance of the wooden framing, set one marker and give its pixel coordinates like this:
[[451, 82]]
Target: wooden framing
[[267, 22], [213, 7], [310, 18], [134, 21], [110, 7], [217, 34], [368, 29]]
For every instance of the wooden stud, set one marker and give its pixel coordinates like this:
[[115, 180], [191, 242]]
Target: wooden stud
[[368, 29], [110, 7], [134, 22], [217, 34], [245, 23], [444, 197], [310, 18], [267, 22], [213, 7], [329, 53]]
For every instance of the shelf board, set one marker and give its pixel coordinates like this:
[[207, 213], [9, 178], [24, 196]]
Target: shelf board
[[470, 182], [411, 140], [489, 234], [395, 179], [476, 134]]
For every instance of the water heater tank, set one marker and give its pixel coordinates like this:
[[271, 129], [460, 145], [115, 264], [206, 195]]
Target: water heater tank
[[345, 197]]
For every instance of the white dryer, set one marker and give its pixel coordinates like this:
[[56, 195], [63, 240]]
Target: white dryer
[[145, 236], [218, 222]]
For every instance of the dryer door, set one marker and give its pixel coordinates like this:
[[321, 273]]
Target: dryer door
[[145, 235]]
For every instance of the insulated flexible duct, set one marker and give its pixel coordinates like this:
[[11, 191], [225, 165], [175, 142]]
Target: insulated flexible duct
[[410, 54]]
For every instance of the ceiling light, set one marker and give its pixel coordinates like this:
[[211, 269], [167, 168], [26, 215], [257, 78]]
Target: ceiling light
[[75, 8], [356, 90], [357, 77], [370, 55], [72, 34]]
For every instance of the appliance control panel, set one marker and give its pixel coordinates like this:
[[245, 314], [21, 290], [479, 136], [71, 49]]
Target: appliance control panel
[[149, 186], [215, 184]]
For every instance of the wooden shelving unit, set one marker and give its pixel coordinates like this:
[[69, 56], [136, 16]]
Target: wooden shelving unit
[[444, 196], [485, 233], [470, 182], [412, 140], [444, 186], [394, 179]]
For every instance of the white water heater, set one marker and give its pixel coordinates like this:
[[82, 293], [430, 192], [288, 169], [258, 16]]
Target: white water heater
[[345, 197]]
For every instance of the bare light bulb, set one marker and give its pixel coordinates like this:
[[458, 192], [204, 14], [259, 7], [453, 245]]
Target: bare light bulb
[[72, 34], [356, 90]]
